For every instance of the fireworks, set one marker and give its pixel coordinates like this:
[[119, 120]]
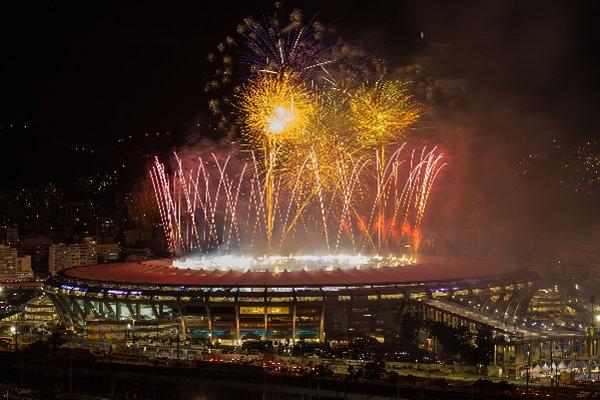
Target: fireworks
[[213, 207], [323, 169], [382, 112], [275, 109], [277, 46]]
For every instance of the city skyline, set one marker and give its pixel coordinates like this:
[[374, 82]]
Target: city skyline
[[526, 118], [299, 200]]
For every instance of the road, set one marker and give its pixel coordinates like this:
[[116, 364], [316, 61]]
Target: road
[[499, 324]]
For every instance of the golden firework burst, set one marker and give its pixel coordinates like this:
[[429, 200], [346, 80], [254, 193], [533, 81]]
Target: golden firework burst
[[382, 112], [276, 109]]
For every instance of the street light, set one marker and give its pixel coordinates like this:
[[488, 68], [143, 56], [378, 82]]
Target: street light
[[131, 333], [177, 332], [127, 330], [13, 331]]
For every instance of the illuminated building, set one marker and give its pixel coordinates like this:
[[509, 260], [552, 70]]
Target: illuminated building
[[24, 272], [12, 267], [62, 256], [8, 263], [229, 305], [41, 310], [108, 251], [57, 258]]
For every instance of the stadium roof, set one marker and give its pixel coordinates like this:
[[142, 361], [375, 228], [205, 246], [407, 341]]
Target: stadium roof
[[162, 272]]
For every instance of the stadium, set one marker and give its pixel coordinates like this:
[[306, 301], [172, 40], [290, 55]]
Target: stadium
[[155, 299]]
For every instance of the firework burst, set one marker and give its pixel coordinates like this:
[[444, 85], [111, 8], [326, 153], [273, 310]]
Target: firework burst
[[276, 109], [278, 45], [212, 207], [323, 166], [382, 112]]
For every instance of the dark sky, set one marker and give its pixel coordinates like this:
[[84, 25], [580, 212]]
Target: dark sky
[[81, 74], [93, 73]]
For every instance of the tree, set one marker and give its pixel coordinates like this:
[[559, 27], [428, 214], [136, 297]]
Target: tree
[[484, 346], [453, 341], [409, 332]]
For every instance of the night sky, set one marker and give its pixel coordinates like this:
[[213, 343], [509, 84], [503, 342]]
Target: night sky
[[76, 79]]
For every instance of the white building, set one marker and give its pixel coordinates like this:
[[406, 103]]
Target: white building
[[57, 258], [8, 264], [62, 256], [12, 267]]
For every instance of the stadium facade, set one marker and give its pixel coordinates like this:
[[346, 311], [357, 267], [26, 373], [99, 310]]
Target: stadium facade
[[155, 299]]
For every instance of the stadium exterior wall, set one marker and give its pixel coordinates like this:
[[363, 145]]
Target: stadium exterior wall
[[113, 311]]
